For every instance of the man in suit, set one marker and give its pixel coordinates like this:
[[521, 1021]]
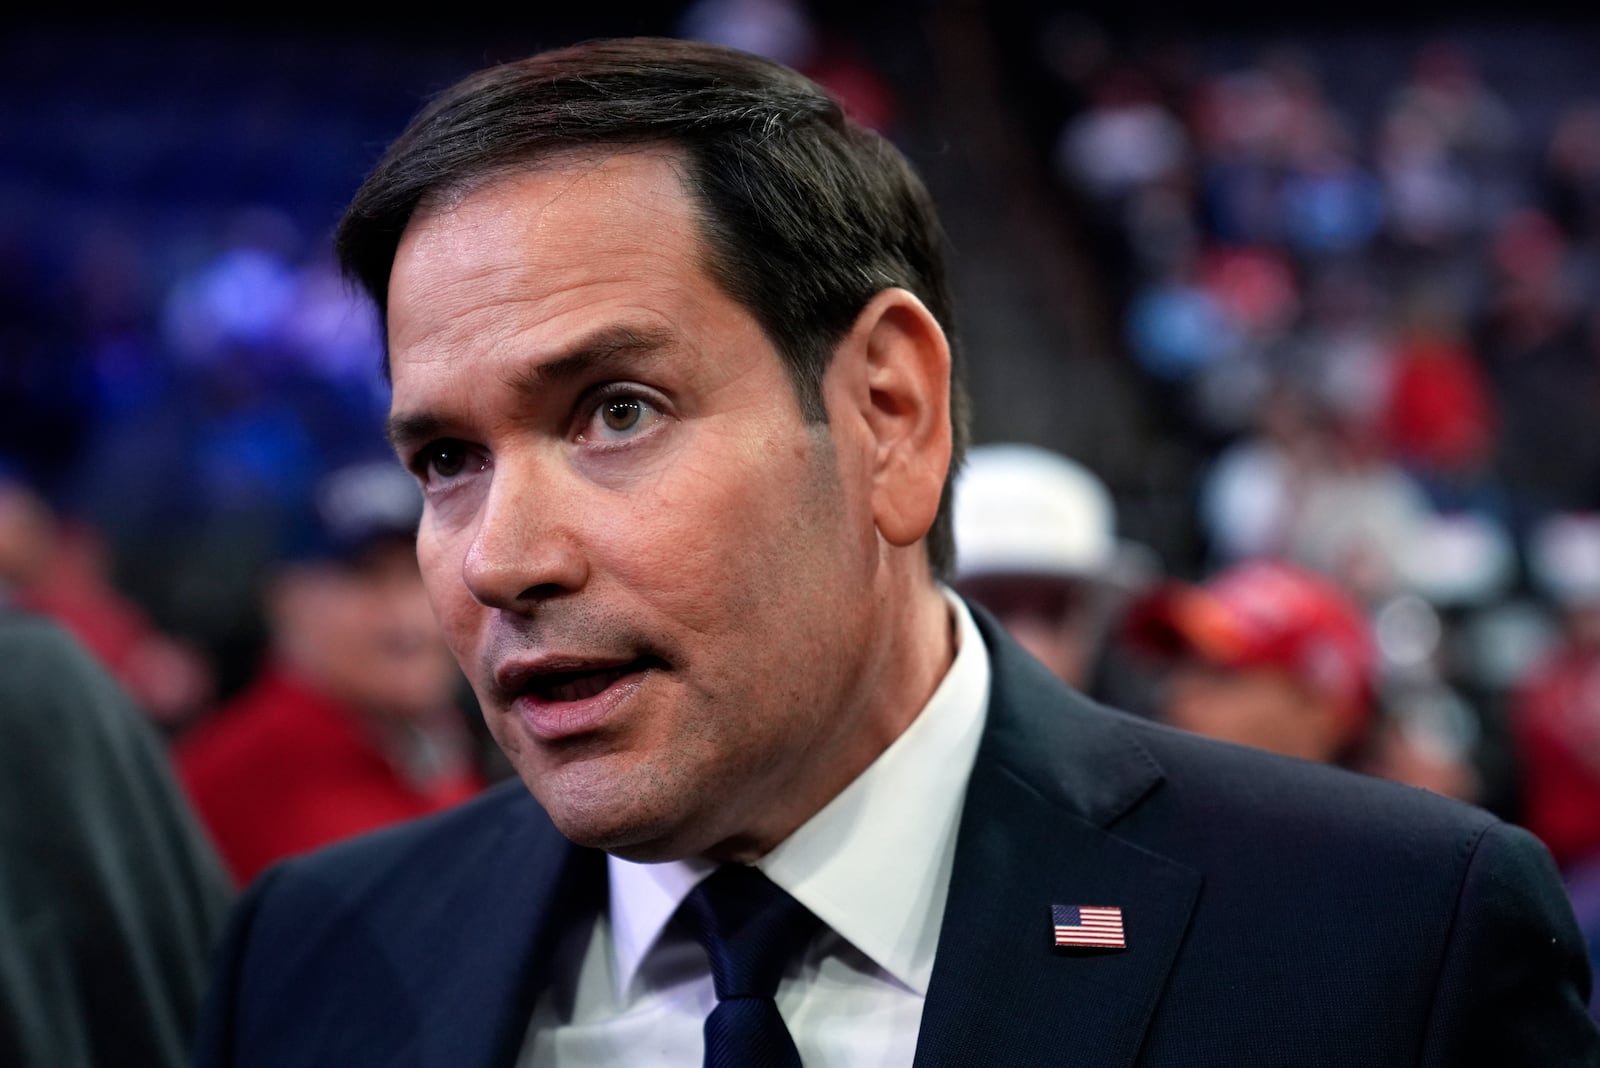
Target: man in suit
[[669, 344]]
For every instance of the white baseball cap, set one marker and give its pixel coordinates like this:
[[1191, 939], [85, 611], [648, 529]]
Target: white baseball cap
[[1022, 509]]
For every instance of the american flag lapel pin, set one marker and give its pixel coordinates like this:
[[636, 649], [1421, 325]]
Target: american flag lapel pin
[[1088, 926]]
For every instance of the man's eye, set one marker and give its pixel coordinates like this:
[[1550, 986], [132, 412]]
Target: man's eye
[[443, 460], [621, 417]]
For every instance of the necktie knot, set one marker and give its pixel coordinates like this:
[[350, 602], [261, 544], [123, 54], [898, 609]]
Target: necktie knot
[[750, 927]]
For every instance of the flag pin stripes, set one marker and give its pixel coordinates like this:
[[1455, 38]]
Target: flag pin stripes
[[1088, 926]]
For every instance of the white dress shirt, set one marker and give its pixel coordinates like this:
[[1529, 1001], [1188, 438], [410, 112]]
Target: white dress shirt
[[874, 865]]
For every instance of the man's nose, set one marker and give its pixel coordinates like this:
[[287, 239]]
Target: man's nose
[[525, 549]]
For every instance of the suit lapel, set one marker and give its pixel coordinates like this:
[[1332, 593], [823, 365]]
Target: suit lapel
[[488, 947], [1053, 773]]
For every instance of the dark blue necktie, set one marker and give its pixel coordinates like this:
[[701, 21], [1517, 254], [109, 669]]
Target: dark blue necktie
[[751, 930]]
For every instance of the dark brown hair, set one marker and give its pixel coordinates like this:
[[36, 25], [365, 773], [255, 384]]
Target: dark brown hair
[[806, 214]]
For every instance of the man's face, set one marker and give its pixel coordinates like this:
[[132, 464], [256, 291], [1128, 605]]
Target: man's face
[[659, 578], [1052, 618], [1263, 707], [364, 631]]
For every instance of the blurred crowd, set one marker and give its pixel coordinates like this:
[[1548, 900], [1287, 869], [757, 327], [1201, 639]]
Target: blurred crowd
[[1359, 284], [1366, 308]]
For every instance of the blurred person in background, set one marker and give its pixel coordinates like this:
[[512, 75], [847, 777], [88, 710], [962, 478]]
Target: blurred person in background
[[1037, 545], [1441, 419], [60, 567], [1555, 717], [110, 896], [1531, 330], [1568, 178], [354, 720], [1265, 654], [1276, 656], [1453, 634]]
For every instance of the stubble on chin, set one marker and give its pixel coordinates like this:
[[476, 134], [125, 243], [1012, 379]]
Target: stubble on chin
[[644, 814]]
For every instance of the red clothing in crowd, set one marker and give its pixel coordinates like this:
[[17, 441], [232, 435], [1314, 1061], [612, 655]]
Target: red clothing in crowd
[[1557, 727], [283, 769], [1441, 413]]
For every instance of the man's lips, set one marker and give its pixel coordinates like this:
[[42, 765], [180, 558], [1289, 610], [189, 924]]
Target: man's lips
[[558, 698], [580, 684], [566, 678]]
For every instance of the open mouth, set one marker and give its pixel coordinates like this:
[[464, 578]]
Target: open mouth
[[564, 686]]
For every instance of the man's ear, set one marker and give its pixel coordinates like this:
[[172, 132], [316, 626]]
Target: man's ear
[[897, 383]]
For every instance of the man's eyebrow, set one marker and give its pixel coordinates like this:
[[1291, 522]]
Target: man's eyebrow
[[405, 430], [605, 347]]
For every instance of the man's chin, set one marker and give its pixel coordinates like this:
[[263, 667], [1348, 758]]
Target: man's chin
[[659, 843], [620, 826], [612, 801], [643, 844]]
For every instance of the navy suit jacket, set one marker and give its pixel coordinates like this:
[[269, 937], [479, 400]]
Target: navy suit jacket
[[1277, 913]]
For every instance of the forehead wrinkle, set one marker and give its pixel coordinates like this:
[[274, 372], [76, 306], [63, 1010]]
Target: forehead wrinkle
[[489, 288]]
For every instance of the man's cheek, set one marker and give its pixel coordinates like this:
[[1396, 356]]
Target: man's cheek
[[458, 616], [681, 523]]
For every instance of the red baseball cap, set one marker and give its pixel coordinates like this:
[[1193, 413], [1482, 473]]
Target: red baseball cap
[[1265, 613]]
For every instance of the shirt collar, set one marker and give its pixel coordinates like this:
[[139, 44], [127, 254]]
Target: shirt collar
[[899, 816]]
